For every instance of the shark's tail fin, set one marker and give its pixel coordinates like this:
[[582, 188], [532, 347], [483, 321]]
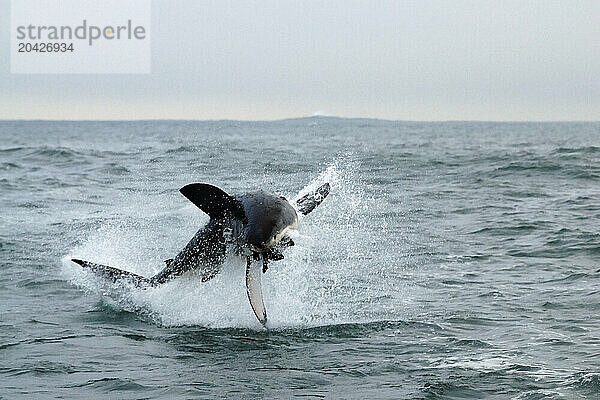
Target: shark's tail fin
[[114, 274]]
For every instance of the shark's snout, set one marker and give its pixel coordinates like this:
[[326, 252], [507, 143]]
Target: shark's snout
[[269, 217]]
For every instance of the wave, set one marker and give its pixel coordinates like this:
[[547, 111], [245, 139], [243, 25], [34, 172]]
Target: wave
[[578, 150]]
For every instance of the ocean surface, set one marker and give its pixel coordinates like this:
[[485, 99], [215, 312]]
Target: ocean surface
[[452, 260]]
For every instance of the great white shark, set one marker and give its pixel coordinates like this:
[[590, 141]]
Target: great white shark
[[253, 225]]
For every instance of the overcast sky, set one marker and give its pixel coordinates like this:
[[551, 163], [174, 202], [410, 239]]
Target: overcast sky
[[407, 60]]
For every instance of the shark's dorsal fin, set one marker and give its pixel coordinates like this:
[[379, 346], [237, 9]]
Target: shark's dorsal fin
[[212, 200]]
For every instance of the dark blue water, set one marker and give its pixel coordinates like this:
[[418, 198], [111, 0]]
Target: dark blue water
[[450, 261]]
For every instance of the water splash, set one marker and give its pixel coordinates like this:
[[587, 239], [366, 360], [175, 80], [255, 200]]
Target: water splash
[[331, 276]]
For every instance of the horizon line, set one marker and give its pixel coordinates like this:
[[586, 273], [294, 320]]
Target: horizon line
[[291, 119]]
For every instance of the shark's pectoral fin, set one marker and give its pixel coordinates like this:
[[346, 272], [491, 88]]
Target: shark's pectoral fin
[[309, 201], [254, 287]]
